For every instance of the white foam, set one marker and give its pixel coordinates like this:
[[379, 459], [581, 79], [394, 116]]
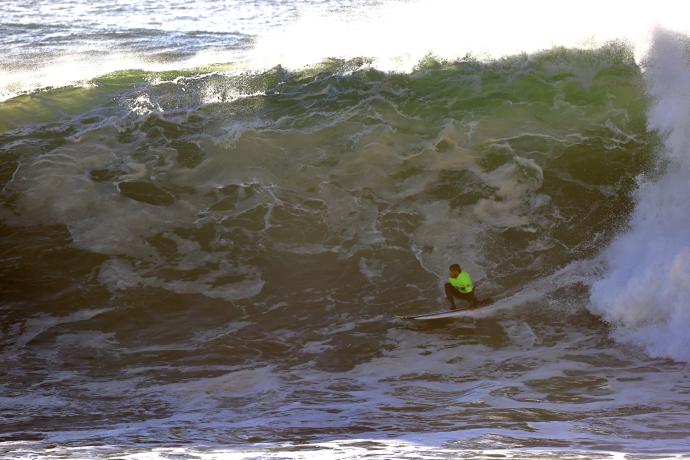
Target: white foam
[[516, 184], [372, 447], [316, 347], [398, 35], [646, 291], [78, 69], [395, 35], [520, 333], [41, 323], [87, 339], [196, 395], [119, 274], [221, 332], [371, 269], [56, 188]]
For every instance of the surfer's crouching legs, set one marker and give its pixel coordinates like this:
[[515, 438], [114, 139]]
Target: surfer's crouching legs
[[452, 292]]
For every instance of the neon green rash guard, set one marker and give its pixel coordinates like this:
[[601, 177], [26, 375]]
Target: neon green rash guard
[[462, 283]]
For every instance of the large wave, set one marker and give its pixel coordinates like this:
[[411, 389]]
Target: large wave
[[517, 166]]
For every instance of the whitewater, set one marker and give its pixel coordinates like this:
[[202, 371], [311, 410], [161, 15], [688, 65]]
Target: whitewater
[[212, 212], [645, 292]]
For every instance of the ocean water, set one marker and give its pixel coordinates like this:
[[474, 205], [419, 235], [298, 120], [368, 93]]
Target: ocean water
[[211, 213]]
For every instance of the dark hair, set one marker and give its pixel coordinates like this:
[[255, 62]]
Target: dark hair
[[456, 267]]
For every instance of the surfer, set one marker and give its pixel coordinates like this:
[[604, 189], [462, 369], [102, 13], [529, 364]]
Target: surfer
[[460, 285]]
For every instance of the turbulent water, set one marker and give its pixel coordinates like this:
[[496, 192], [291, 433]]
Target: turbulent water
[[204, 259]]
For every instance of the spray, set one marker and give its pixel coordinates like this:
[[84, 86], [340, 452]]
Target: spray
[[645, 293]]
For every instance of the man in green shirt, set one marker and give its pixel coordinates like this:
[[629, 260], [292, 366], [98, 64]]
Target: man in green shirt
[[460, 285]]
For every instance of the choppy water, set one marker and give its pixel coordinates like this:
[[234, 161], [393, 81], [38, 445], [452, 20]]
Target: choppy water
[[202, 257]]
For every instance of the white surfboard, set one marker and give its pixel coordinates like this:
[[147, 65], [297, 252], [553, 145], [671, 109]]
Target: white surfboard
[[482, 310], [438, 315]]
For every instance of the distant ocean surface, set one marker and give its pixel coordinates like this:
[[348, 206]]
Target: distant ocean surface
[[211, 212]]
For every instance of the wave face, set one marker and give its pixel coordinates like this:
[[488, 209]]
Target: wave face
[[207, 261], [213, 185], [646, 290]]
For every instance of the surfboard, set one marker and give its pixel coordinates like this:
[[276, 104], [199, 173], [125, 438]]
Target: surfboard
[[438, 315], [441, 314]]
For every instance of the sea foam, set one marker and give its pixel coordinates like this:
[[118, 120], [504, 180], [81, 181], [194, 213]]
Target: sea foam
[[645, 293]]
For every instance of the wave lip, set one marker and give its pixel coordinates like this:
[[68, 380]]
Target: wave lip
[[646, 292], [394, 35]]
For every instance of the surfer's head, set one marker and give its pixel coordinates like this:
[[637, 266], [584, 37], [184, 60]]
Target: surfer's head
[[454, 270]]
